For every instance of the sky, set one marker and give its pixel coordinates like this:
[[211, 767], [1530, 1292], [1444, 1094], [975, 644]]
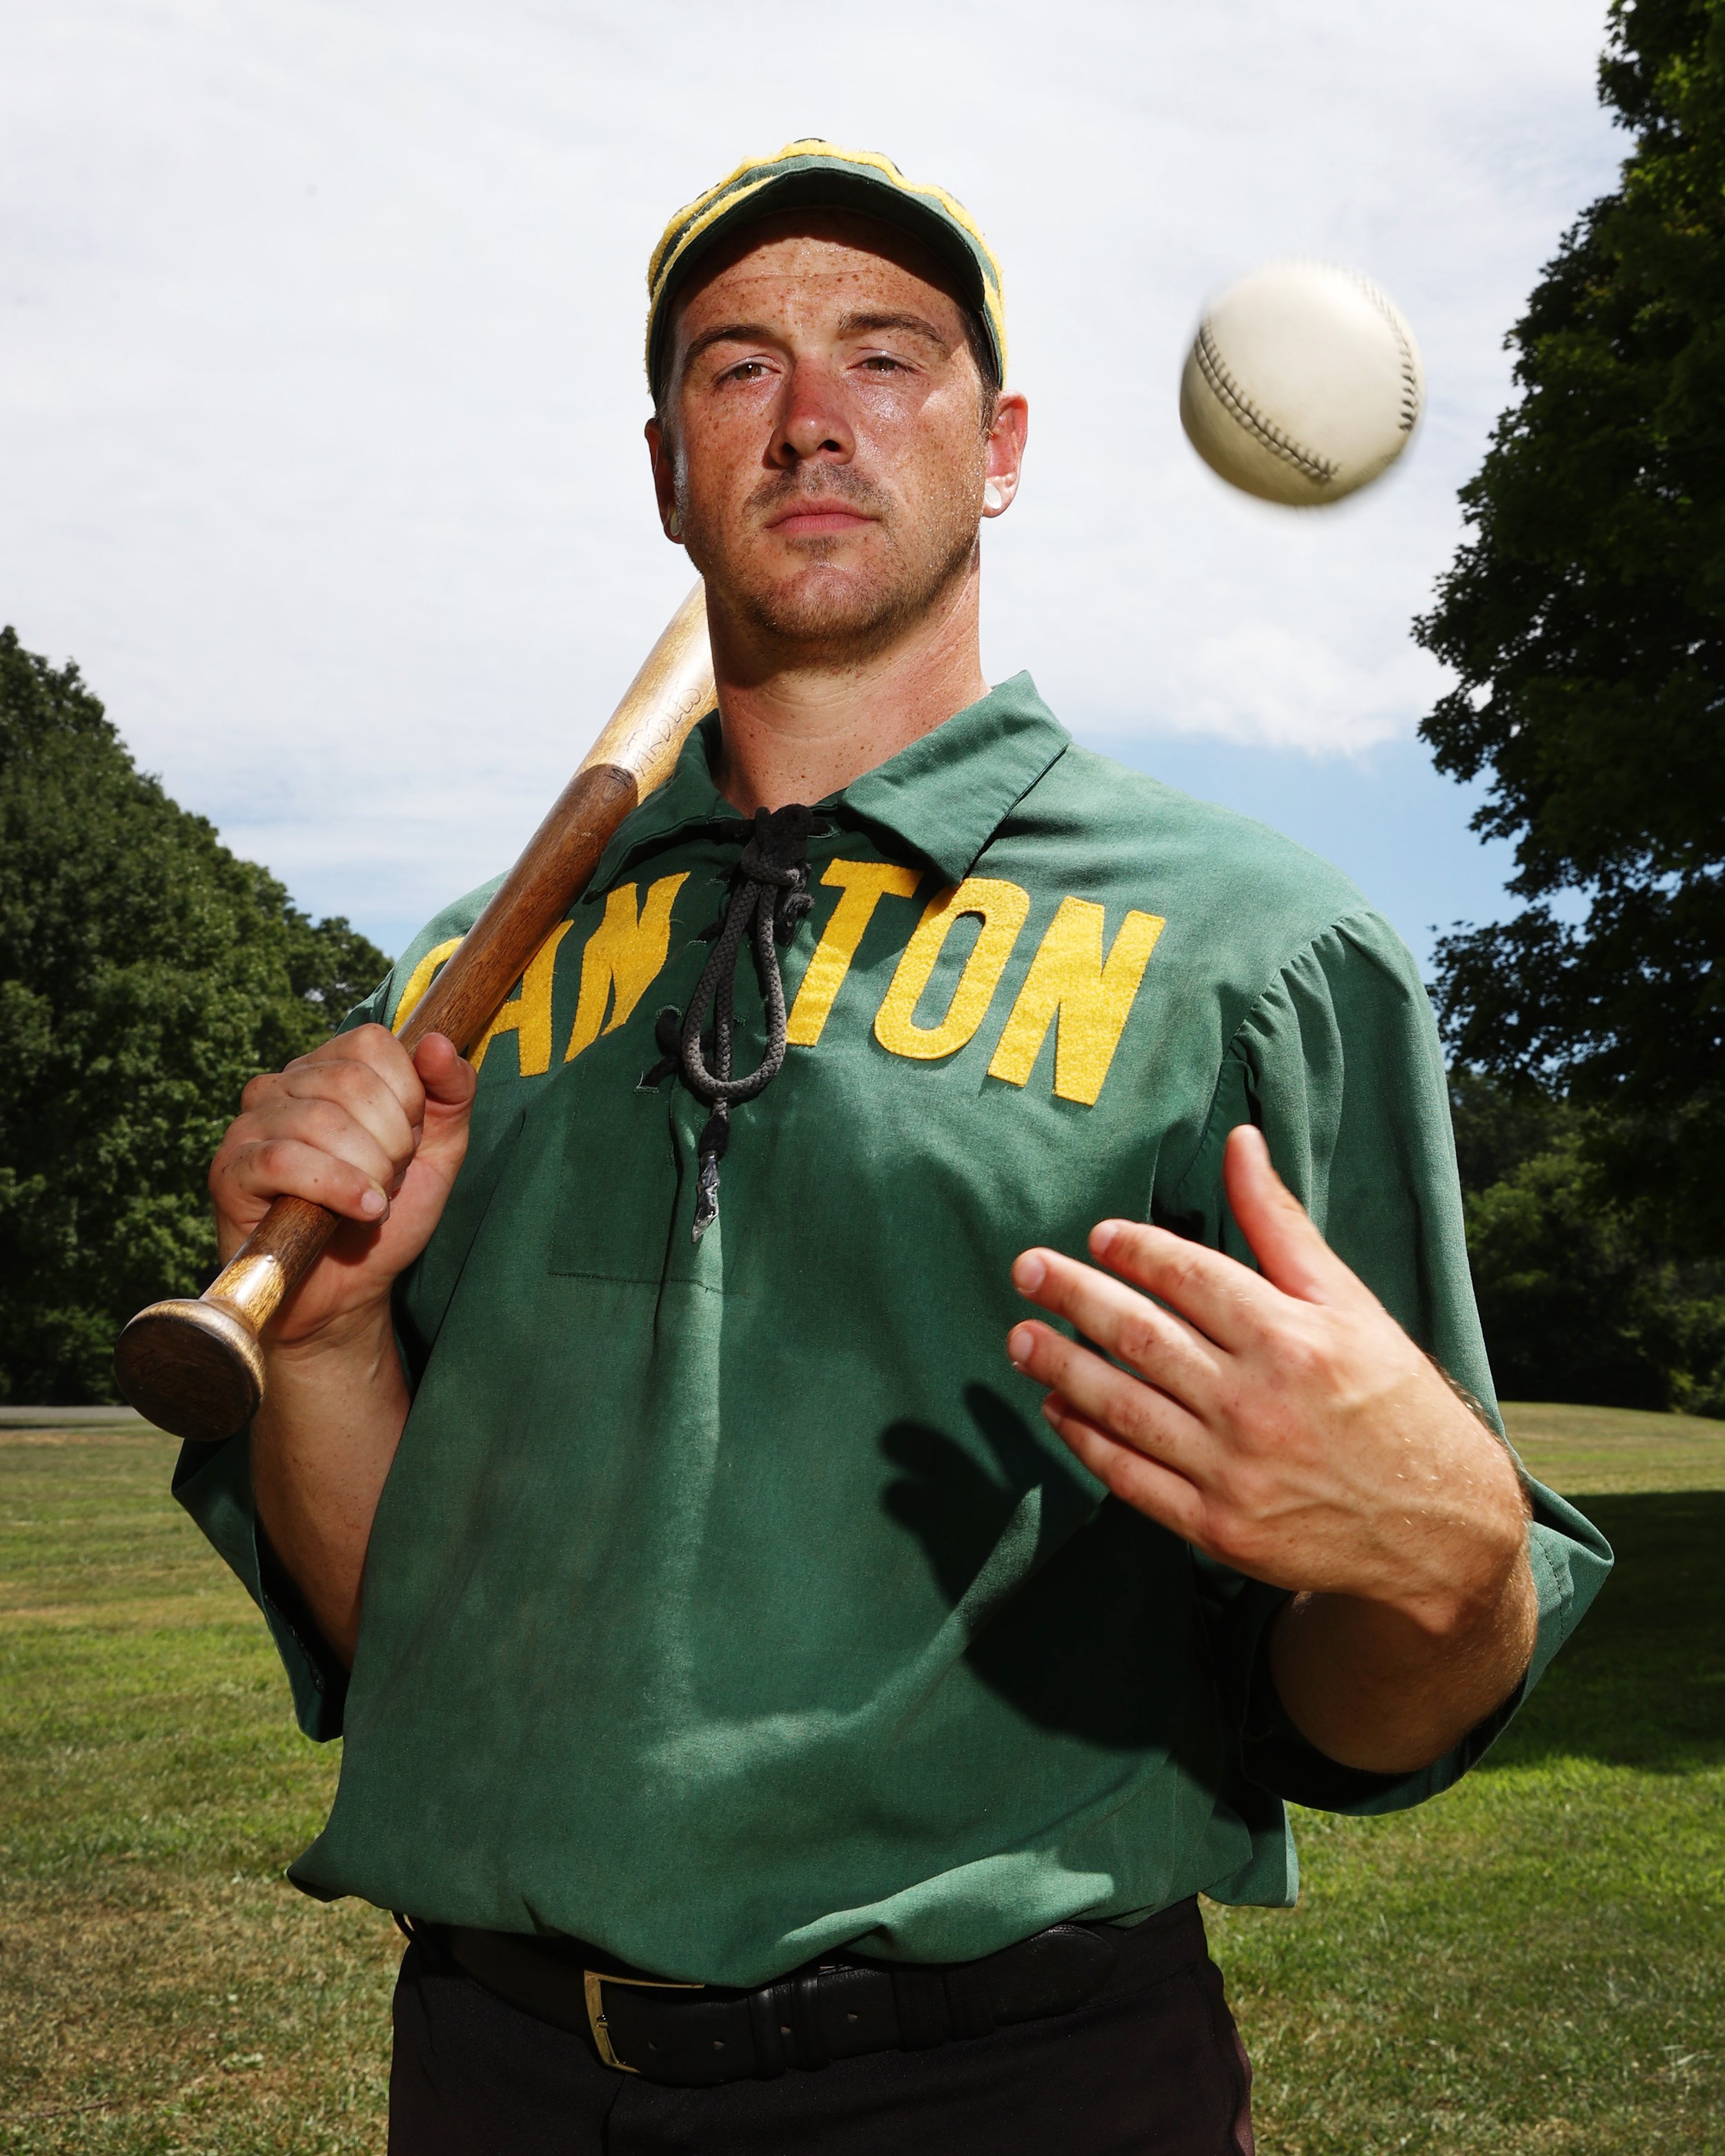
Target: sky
[[321, 389]]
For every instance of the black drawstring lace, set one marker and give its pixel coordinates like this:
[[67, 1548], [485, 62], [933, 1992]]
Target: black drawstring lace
[[769, 896]]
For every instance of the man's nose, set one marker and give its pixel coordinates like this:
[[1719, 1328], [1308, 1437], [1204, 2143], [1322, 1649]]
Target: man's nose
[[812, 425]]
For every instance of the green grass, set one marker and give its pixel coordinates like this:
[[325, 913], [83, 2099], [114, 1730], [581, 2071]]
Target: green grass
[[162, 1989], [1534, 1963], [1595, 1450]]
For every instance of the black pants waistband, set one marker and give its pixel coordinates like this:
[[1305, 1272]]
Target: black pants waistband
[[842, 2006]]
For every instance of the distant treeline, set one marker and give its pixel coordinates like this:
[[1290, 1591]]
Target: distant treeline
[[146, 973], [1580, 1297]]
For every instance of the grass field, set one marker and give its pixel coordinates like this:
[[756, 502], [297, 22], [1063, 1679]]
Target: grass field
[[1534, 1963]]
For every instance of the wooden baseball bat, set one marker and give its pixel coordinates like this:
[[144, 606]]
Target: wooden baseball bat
[[196, 1368]]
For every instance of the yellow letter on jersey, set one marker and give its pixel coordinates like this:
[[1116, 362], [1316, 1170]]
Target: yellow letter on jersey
[[420, 979], [1002, 908], [1068, 975], [528, 1016], [624, 953], [864, 884]]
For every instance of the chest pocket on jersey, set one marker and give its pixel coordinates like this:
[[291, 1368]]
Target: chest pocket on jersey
[[618, 1177]]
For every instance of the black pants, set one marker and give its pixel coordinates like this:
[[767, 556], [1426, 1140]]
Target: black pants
[[1151, 2065]]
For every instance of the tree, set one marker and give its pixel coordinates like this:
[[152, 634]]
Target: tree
[[1584, 617], [1575, 1302], [146, 973]]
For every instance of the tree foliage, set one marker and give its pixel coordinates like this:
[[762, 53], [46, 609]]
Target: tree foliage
[[1585, 618], [146, 973], [1577, 1300]]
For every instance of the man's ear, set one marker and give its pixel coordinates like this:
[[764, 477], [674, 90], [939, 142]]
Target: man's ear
[[665, 480], [1004, 459]]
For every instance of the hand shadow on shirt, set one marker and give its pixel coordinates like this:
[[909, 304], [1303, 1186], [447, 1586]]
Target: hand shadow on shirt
[[1093, 1630]]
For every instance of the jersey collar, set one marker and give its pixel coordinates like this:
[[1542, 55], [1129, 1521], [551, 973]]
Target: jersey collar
[[945, 796]]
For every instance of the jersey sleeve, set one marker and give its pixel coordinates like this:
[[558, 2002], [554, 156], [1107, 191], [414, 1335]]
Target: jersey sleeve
[[1338, 1063], [213, 1482]]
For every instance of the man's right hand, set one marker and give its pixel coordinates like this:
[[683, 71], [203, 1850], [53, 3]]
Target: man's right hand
[[366, 1129]]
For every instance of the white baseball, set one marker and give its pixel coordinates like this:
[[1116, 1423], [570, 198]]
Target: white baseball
[[1303, 383]]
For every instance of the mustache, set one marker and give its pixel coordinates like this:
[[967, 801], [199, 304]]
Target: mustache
[[800, 489]]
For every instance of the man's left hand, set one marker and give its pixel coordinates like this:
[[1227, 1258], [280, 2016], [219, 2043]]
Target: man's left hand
[[1283, 1423]]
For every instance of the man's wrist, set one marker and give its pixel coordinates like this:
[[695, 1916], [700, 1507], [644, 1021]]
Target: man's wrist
[[1473, 1598], [1388, 1685], [351, 1335], [1473, 1549], [347, 1358]]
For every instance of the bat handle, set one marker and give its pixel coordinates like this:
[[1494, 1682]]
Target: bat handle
[[195, 1366]]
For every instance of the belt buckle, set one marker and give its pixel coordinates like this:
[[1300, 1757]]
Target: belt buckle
[[593, 1982]]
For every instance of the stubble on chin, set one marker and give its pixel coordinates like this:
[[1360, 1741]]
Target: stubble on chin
[[847, 600]]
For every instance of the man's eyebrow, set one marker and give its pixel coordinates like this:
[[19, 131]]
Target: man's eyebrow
[[860, 325], [852, 325], [729, 333]]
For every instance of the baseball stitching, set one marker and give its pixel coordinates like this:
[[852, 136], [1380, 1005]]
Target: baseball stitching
[[1410, 372], [1234, 399]]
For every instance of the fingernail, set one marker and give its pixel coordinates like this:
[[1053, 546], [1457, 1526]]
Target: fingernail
[[1019, 1343], [1102, 1237], [373, 1204], [1029, 1274]]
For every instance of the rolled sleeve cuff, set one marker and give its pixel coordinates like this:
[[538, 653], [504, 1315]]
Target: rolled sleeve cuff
[[213, 1482], [1570, 1559]]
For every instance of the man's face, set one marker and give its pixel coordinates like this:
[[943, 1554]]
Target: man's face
[[825, 442]]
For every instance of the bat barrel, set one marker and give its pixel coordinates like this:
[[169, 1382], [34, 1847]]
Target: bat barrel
[[195, 1367]]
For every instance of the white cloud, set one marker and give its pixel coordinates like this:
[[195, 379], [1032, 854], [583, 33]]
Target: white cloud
[[319, 373]]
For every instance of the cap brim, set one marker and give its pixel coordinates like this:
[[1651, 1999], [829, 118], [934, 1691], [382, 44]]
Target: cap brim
[[827, 189]]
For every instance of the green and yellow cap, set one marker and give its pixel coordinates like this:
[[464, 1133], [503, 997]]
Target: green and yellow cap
[[815, 174]]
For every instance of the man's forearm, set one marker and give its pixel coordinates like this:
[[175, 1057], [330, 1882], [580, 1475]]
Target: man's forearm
[[1379, 1688], [320, 1449]]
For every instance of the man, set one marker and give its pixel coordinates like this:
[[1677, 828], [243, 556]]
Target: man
[[776, 1734]]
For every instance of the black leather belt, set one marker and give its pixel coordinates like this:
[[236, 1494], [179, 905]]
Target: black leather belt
[[692, 2035]]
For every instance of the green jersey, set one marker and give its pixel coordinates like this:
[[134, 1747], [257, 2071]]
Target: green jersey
[[729, 1600]]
